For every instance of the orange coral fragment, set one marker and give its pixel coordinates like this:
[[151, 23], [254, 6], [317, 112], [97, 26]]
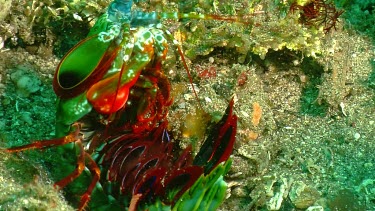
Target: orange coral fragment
[[252, 135], [257, 114]]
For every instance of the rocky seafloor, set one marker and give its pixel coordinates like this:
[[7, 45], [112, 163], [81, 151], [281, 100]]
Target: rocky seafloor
[[306, 125]]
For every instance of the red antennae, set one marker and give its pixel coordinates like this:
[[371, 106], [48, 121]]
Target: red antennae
[[188, 73]]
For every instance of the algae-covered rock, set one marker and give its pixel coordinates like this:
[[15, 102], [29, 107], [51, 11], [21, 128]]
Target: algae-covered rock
[[302, 195], [5, 7], [269, 26], [26, 82], [25, 187]]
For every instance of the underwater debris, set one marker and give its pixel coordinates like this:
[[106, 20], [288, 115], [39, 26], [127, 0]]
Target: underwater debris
[[257, 114], [318, 13]]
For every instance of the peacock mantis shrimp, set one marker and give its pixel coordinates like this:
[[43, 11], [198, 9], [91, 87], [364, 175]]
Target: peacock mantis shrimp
[[113, 99]]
